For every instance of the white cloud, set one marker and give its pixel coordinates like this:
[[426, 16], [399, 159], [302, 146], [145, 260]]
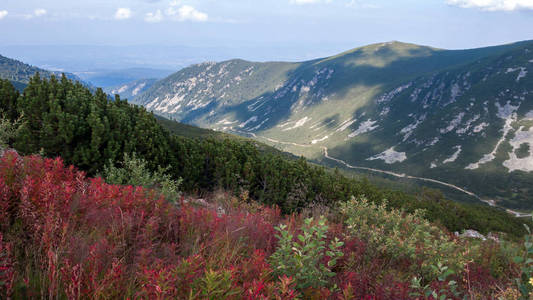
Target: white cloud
[[154, 17], [361, 4], [123, 13], [39, 12], [186, 13], [494, 5], [302, 2], [3, 14]]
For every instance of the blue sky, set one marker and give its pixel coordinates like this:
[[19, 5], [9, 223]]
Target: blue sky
[[306, 26]]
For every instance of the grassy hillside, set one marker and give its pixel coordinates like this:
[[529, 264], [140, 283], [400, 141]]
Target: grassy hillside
[[397, 107]]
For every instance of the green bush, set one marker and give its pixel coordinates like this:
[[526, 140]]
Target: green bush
[[8, 131], [397, 235], [449, 286], [216, 285], [525, 281], [134, 171], [302, 258]]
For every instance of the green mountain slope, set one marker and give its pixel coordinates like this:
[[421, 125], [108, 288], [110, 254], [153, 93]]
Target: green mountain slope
[[398, 107], [20, 73]]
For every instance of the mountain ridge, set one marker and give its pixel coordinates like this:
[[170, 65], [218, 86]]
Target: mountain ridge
[[393, 106], [19, 73]]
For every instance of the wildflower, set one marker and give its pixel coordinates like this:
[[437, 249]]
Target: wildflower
[[531, 280]]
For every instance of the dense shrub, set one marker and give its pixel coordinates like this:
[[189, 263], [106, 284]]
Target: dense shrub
[[301, 257], [64, 235], [401, 236], [7, 131], [134, 171]]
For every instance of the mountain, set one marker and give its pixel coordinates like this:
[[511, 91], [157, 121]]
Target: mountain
[[121, 77], [132, 89], [138, 228], [458, 118], [89, 130], [20, 73]]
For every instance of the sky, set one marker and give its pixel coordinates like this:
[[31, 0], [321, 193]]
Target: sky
[[299, 28]]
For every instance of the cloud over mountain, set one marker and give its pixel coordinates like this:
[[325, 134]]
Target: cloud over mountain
[[494, 5]]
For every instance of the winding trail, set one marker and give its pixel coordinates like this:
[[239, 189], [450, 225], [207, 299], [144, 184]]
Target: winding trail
[[398, 175], [489, 202], [270, 139]]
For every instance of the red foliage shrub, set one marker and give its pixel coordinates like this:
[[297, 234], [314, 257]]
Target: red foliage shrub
[[76, 237], [170, 281], [7, 269]]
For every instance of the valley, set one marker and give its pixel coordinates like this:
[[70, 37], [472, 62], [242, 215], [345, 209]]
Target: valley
[[266, 150], [461, 117], [344, 164]]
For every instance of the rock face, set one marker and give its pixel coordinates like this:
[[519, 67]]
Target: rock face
[[463, 117], [472, 234], [476, 235]]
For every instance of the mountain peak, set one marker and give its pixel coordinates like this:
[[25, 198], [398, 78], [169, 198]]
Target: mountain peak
[[391, 106]]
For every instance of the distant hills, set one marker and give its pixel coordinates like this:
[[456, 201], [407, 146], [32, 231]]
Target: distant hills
[[463, 117], [20, 73], [118, 78]]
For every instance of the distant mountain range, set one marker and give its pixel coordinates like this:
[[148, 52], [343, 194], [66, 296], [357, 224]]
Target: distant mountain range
[[463, 117], [20, 73], [118, 78]]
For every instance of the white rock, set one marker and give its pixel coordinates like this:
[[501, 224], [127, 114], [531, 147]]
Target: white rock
[[453, 123], [365, 127], [472, 234], [390, 156], [297, 124], [520, 164], [319, 140], [251, 119], [454, 156], [480, 127], [507, 112], [345, 125]]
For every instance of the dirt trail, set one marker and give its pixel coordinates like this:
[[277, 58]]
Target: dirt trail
[[342, 162], [488, 201]]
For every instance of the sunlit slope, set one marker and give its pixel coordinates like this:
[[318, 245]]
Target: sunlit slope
[[392, 106]]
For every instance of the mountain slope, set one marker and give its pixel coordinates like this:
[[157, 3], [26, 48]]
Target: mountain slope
[[396, 107], [20, 73], [132, 89], [120, 77]]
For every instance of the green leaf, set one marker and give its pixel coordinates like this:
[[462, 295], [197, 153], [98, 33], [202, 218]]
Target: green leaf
[[452, 282], [518, 259]]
